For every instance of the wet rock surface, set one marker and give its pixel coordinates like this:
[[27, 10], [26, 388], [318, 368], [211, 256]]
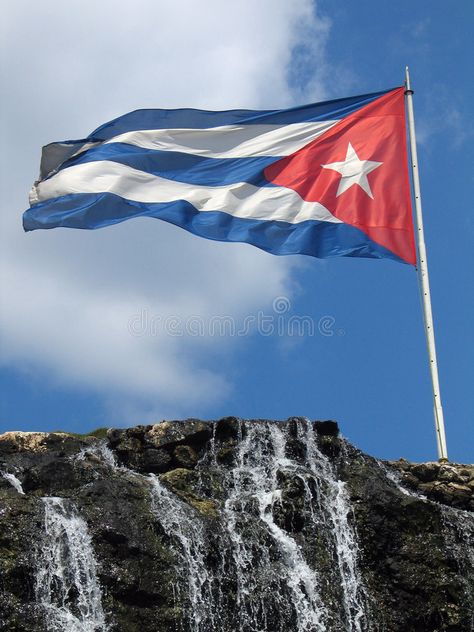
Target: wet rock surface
[[216, 526]]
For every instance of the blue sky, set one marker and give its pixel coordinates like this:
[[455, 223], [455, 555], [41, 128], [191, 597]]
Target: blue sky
[[71, 358]]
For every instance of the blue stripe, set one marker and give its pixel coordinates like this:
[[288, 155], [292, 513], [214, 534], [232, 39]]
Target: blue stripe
[[55, 155], [318, 239], [202, 119], [179, 166]]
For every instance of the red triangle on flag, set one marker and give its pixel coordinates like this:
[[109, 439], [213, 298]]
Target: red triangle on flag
[[358, 170]]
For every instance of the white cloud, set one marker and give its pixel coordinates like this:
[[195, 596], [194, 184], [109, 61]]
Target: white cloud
[[444, 117], [68, 295]]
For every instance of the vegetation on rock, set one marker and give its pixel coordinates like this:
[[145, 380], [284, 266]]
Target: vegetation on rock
[[386, 546]]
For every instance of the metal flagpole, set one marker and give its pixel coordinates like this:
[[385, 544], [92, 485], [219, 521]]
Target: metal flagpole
[[424, 280]]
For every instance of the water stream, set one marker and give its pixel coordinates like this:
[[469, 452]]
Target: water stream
[[181, 523], [14, 481], [263, 552], [280, 553], [66, 584], [250, 573]]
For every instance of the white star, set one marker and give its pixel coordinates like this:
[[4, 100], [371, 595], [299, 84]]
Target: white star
[[353, 171]]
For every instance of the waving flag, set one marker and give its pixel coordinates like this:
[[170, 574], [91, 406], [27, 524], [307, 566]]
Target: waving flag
[[328, 179]]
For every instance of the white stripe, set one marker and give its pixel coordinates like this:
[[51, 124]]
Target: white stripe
[[239, 199], [229, 141]]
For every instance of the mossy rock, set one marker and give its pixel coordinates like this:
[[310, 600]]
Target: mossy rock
[[182, 482], [98, 433]]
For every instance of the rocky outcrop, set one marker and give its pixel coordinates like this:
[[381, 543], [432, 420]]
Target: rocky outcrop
[[448, 483], [230, 525]]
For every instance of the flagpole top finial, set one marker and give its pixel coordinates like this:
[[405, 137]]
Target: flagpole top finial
[[408, 89]]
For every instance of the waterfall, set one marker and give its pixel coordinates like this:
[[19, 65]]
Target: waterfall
[[337, 504], [262, 461], [293, 586], [250, 527], [248, 572], [14, 481], [66, 583], [100, 450], [182, 525]]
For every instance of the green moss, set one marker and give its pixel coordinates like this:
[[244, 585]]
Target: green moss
[[99, 433], [181, 481], [9, 560], [206, 508]]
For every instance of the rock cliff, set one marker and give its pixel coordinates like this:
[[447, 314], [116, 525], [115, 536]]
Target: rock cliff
[[230, 526]]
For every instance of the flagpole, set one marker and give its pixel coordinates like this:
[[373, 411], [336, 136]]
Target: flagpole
[[424, 280]]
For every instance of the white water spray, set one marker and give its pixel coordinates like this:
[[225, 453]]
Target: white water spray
[[101, 451], [181, 523], [261, 456], [66, 583], [14, 481], [254, 549], [337, 505]]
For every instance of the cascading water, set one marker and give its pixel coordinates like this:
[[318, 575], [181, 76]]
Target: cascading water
[[182, 525], [98, 450], [66, 583], [250, 573], [14, 482], [293, 586], [248, 527], [337, 505]]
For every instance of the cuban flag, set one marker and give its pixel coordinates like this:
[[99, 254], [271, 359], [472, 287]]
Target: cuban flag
[[326, 179]]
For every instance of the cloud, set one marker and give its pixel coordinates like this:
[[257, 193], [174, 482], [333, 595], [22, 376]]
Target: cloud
[[68, 296], [444, 116]]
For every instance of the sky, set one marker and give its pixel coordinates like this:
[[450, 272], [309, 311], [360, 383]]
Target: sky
[[143, 321]]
